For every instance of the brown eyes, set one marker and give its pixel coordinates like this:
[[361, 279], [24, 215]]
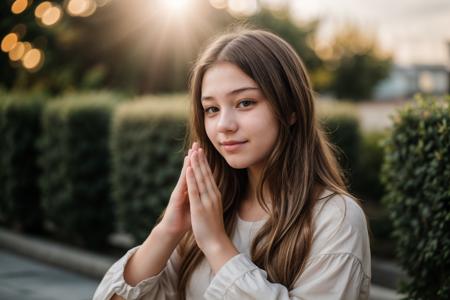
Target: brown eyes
[[245, 103]]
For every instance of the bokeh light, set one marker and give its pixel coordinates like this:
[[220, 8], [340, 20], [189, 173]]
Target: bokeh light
[[91, 8], [27, 46], [19, 6], [81, 8], [33, 59], [17, 52], [52, 15], [9, 41], [42, 8]]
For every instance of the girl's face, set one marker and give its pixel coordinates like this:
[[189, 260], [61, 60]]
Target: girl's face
[[236, 111]]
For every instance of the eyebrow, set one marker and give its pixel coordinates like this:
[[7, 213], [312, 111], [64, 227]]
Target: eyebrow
[[234, 92]]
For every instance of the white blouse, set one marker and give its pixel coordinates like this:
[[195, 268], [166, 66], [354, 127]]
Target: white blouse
[[338, 266]]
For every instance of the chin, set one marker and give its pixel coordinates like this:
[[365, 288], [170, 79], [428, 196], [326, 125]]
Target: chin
[[236, 164]]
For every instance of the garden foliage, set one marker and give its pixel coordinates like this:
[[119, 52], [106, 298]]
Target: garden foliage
[[147, 153], [416, 174], [19, 193], [75, 162]]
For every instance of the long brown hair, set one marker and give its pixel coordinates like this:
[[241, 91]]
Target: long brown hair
[[301, 165]]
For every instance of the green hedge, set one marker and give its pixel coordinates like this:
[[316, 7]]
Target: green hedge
[[19, 193], [75, 161], [360, 153], [146, 145], [416, 173], [343, 131], [366, 175], [147, 149]]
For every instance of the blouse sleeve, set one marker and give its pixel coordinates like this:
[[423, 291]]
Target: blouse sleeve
[[337, 268], [161, 286]]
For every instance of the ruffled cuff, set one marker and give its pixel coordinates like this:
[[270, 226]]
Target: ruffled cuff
[[231, 271], [114, 283]]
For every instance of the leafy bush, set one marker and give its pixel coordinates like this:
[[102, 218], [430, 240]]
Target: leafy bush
[[146, 146], [19, 194], [76, 167], [416, 174]]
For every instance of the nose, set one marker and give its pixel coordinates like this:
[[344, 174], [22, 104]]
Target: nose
[[227, 121]]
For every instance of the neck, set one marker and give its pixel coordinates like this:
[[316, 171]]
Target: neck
[[254, 174]]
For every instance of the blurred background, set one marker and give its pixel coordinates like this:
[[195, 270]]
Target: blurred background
[[359, 50], [93, 105]]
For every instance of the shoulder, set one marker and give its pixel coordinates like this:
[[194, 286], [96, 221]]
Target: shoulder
[[340, 227], [332, 208]]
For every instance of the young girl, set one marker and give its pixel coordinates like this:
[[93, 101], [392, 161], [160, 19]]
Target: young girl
[[261, 210]]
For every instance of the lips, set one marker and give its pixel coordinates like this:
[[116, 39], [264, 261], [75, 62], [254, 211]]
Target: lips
[[233, 146], [229, 143]]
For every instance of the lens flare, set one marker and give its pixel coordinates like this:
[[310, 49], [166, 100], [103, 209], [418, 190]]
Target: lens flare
[[177, 6]]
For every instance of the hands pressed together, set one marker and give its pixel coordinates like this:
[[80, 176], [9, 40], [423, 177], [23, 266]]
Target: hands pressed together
[[196, 203]]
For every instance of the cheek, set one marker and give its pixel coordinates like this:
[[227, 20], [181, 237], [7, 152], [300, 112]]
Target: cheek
[[210, 133]]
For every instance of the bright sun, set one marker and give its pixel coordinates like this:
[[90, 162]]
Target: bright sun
[[176, 6]]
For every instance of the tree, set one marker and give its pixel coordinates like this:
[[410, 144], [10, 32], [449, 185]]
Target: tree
[[356, 63], [300, 38]]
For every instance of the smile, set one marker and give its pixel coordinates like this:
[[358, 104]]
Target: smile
[[233, 147]]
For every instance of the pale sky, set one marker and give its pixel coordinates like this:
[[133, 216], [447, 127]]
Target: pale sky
[[417, 31]]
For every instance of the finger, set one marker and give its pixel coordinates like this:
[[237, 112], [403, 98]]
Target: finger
[[186, 163], [199, 178], [194, 145], [183, 170], [209, 180], [189, 157], [208, 172], [194, 197]]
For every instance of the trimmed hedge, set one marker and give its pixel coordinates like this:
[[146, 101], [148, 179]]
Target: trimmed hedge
[[146, 144], [75, 161], [147, 149], [19, 193], [416, 173]]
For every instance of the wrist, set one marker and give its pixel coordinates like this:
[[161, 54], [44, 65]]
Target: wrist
[[166, 233], [219, 252]]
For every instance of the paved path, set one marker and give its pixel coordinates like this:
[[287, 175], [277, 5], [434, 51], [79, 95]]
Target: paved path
[[22, 278]]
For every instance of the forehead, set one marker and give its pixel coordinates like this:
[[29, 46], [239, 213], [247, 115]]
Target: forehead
[[224, 77]]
